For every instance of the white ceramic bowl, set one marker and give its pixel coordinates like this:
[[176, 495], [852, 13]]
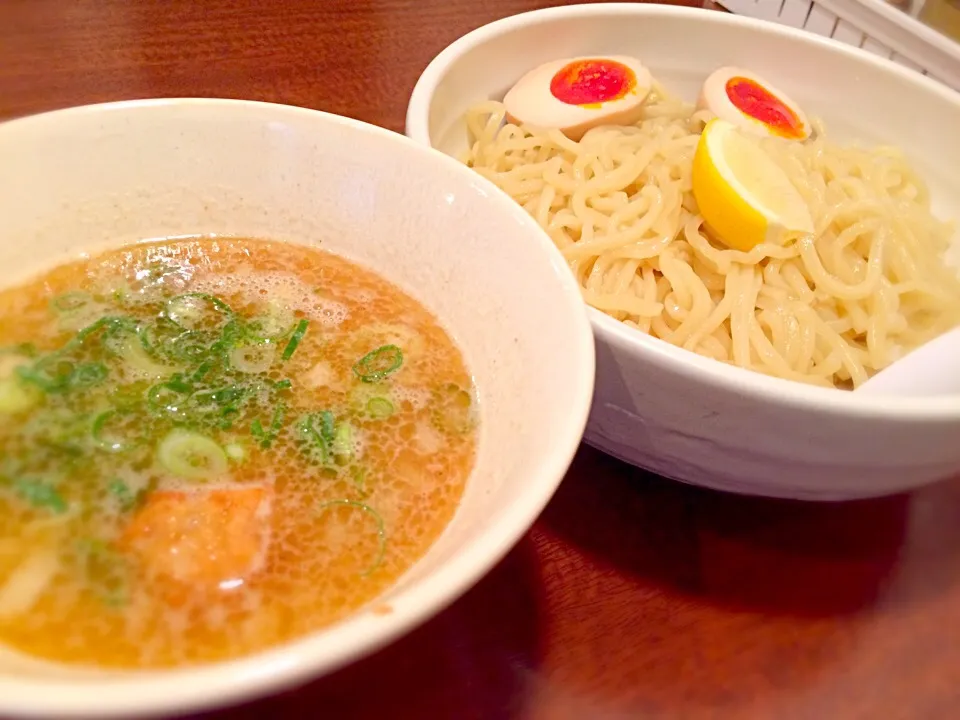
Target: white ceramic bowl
[[75, 180], [668, 410]]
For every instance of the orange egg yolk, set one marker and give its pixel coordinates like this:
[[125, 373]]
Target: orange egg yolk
[[591, 82], [754, 100]]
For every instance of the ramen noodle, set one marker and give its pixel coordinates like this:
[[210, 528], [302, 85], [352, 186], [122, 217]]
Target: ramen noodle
[[829, 309]]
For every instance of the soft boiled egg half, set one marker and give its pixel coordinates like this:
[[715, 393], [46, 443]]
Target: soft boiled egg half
[[576, 94], [746, 100]]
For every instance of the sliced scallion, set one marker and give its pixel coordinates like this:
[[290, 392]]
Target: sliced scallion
[[16, 396], [40, 494], [276, 324], [139, 359], [318, 430], [377, 364], [252, 358], [380, 408], [193, 311], [359, 476], [56, 374], [88, 374], [295, 339], [166, 399], [268, 435], [71, 301], [191, 455], [101, 436], [235, 451], [125, 497], [342, 444]]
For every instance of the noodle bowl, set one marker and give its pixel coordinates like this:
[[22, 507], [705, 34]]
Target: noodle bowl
[[829, 309]]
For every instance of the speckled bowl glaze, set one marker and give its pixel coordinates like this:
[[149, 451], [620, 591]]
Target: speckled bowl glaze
[[78, 180], [671, 411]]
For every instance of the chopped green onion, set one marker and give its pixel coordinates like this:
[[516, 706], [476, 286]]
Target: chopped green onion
[[252, 358], [40, 494], [165, 399], [26, 349], [157, 337], [110, 324], [201, 372], [327, 422], [192, 311], [381, 530], [266, 437], [342, 444], [107, 443], [380, 408], [191, 456], [379, 363], [178, 384], [121, 491], [276, 324], [54, 374], [235, 451], [233, 333], [282, 385], [359, 476], [221, 399], [88, 375], [134, 354], [295, 339], [16, 396], [71, 301], [189, 346], [319, 430]]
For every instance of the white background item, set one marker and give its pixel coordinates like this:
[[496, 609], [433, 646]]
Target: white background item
[[76, 179], [931, 369], [873, 25], [674, 412]]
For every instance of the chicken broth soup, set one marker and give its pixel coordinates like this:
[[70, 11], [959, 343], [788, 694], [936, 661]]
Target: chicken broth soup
[[211, 446]]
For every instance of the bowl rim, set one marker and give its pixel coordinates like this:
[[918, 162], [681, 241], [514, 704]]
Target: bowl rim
[[106, 694], [755, 385]]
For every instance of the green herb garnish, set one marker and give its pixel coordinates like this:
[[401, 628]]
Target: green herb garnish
[[377, 364], [295, 339], [122, 492], [380, 408], [40, 494], [109, 444]]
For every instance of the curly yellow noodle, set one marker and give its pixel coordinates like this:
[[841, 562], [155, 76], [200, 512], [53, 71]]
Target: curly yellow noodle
[[830, 309]]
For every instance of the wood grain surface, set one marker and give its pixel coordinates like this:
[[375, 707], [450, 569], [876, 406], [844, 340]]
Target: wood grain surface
[[633, 596]]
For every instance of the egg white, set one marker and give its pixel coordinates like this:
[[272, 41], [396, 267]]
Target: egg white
[[531, 102], [713, 97]]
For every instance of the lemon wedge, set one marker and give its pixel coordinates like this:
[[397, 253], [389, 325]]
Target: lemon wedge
[[743, 195]]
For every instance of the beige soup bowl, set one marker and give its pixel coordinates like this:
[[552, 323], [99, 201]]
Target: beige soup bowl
[[78, 180]]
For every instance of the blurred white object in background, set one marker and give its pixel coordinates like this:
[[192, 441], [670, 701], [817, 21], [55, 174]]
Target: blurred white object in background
[[913, 33]]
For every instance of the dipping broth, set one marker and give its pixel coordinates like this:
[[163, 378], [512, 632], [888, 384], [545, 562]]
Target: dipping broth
[[212, 446]]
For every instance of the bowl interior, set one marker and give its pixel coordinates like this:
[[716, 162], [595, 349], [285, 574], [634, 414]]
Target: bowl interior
[[77, 180], [861, 98]]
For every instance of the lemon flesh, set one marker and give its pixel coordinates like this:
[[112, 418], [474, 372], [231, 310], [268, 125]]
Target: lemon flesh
[[743, 195]]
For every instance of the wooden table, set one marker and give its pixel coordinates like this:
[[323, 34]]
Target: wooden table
[[633, 596]]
